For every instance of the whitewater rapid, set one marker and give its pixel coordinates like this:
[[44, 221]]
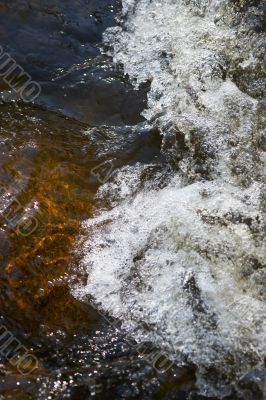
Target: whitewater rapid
[[188, 257]]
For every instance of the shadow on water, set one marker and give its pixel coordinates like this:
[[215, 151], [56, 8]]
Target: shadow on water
[[57, 43]]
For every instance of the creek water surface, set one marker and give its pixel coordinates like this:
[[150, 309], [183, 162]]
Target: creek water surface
[[142, 163]]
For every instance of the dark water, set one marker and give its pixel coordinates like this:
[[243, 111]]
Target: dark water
[[57, 44], [46, 163]]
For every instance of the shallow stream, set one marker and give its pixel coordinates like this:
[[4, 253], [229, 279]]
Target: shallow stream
[[132, 200]]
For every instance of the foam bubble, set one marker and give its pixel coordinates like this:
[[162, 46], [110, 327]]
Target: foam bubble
[[188, 259]]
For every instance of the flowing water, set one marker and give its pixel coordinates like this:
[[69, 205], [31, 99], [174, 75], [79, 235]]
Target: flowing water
[[143, 163]]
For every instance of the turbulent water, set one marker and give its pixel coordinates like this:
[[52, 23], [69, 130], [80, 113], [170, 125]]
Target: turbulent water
[[178, 254]]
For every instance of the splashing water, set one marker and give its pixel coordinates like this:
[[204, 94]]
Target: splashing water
[[188, 257]]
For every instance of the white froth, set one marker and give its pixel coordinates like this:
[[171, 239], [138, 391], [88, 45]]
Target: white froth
[[142, 266], [181, 258]]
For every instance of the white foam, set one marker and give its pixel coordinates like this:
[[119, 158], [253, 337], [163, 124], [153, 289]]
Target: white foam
[[181, 258], [140, 265]]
